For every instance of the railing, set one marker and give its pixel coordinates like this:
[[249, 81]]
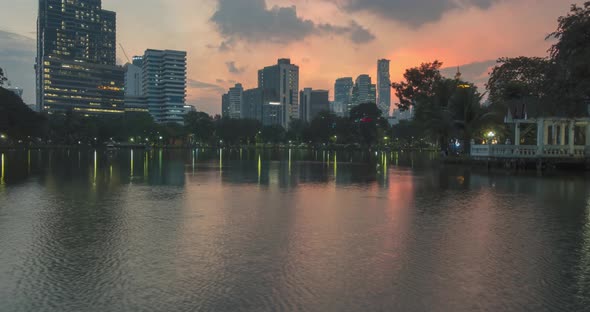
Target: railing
[[528, 151]]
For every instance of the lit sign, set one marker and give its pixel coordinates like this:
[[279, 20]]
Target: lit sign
[[274, 103], [109, 88]]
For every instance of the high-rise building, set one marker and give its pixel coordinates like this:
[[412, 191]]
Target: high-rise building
[[225, 106], [134, 99], [134, 77], [282, 82], [363, 91], [272, 113], [236, 98], [76, 58], [343, 95], [384, 87], [164, 84], [312, 102], [252, 103]]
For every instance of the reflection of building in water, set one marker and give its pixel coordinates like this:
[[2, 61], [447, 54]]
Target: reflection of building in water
[[2, 169]]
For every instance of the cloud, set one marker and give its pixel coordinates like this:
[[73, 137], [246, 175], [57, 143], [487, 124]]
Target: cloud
[[233, 68], [252, 21], [476, 72], [414, 13], [195, 84], [17, 58], [356, 33]]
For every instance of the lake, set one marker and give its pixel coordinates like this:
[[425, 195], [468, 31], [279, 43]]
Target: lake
[[248, 230]]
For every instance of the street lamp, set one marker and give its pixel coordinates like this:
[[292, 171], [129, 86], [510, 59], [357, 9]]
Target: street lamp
[[3, 136], [491, 136]]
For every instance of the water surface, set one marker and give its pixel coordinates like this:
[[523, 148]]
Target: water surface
[[238, 230]]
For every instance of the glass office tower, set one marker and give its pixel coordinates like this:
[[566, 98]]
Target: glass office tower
[[76, 58]]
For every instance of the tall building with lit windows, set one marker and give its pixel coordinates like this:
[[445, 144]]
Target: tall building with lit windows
[[363, 91], [164, 84], [383, 87], [281, 82], [76, 58]]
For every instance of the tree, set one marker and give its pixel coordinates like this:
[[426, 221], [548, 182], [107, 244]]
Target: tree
[[469, 117], [520, 79], [419, 85], [571, 54], [17, 120], [200, 125], [2, 77], [322, 128], [273, 134], [369, 122], [365, 110], [296, 129]]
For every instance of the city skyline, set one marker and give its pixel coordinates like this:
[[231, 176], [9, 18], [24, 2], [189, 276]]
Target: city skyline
[[222, 52]]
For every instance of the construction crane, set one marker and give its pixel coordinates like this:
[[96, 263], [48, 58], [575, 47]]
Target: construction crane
[[125, 53]]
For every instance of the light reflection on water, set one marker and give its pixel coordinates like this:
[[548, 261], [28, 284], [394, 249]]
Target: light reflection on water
[[254, 230]]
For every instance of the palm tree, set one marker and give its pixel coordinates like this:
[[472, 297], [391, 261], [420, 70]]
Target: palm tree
[[469, 116]]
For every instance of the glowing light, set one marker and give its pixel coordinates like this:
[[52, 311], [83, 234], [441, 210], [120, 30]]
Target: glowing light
[[132, 163], [2, 175], [335, 165], [259, 168], [95, 166], [220, 160]]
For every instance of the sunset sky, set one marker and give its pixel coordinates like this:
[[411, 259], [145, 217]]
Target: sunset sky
[[229, 40]]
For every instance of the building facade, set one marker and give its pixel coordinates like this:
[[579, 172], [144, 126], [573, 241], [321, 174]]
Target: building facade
[[164, 84], [225, 106], [383, 87], [281, 81], [76, 58], [236, 99], [312, 102], [134, 99], [343, 95], [363, 91], [252, 103]]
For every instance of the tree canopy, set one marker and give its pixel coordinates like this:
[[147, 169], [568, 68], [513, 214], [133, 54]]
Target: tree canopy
[[2, 77], [556, 85]]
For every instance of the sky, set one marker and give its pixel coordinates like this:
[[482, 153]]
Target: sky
[[229, 40]]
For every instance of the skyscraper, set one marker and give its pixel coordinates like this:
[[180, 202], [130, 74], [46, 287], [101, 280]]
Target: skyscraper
[[363, 91], [281, 81], [236, 98], [225, 105], [76, 52], [164, 84], [134, 99], [343, 95], [384, 87], [252, 102], [312, 103]]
